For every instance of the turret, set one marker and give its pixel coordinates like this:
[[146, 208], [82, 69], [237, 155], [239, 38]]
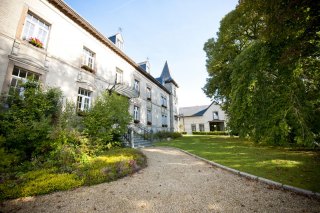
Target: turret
[[167, 81]]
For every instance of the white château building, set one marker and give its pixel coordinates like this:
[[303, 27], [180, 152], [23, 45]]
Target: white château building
[[48, 41]]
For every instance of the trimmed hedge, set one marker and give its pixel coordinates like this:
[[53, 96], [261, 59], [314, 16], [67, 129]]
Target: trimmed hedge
[[164, 135], [211, 133]]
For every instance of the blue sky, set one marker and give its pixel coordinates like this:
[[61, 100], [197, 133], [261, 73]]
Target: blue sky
[[163, 30]]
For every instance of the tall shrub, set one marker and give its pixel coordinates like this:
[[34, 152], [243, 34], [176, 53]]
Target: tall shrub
[[107, 120], [27, 119]]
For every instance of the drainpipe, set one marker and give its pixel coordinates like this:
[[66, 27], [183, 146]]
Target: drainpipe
[[132, 138]]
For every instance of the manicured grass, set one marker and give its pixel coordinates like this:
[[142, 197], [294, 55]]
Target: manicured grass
[[113, 164], [285, 165]]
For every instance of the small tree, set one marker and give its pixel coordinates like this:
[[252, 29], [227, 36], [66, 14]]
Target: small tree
[[29, 118], [107, 120]]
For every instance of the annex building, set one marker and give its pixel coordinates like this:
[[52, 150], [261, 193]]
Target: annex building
[[204, 118], [47, 41]]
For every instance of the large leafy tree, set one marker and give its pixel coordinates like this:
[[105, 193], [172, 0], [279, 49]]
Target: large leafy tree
[[264, 68]]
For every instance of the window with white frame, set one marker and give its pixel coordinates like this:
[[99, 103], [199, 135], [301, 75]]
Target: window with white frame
[[149, 117], [20, 76], [35, 28], [164, 120], [201, 127], [163, 101], [84, 99], [136, 113], [136, 86], [119, 44], [215, 115], [149, 93], [193, 128], [88, 58], [119, 76]]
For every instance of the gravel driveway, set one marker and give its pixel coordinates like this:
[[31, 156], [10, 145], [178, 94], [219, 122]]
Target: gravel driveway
[[172, 182]]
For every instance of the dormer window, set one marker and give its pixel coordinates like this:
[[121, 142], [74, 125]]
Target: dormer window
[[119, 44], [117, 40]]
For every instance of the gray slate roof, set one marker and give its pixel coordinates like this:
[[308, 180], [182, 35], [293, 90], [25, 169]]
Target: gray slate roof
[[166, 76], [193, 111]]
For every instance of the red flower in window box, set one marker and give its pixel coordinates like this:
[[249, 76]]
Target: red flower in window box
[[36, 42]]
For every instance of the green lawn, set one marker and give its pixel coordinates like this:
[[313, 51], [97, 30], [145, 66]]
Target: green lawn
[[288, 166]]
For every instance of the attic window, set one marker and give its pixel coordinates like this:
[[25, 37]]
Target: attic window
[[119, 44], [215, 115]]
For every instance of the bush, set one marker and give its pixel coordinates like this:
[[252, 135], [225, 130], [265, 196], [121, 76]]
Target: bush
[[184, 133], [107, 120], [164, 135], [28, 120], [211, 133]]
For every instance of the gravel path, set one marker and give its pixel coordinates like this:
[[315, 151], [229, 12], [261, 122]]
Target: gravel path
[[172, 182]]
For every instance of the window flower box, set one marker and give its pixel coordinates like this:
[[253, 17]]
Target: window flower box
[[136, 121], [87, 68], [36, 42], [164, 125]]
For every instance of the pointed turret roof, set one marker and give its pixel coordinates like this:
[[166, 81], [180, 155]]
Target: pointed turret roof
[[166, 76]]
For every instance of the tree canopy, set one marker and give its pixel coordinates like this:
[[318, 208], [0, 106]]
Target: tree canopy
[[264, 68]]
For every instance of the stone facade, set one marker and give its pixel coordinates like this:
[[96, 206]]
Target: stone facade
[[69, 43]]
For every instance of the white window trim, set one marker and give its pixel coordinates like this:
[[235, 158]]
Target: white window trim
[[136, 113], [20, 79], [164, 119], [34, 20], [163, 101], [195, 127], [201, 129], [215, 115], [119, 43], [136, 85], [87, 56], [119, 76], [84, 98]]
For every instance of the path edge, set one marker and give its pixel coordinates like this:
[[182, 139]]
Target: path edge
[[256, 178]]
